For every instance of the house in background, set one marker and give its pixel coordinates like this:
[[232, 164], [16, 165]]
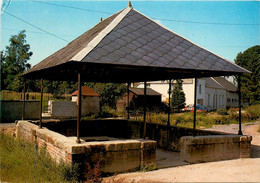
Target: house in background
[[213, 92], [89, 100], [68, 109], [136, 100]]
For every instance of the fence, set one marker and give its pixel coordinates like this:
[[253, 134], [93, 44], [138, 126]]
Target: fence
[[12, 95]]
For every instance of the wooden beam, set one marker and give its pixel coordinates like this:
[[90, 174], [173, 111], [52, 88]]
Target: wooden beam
[[23, 110], [195, 107], [144, 133], [128, 102], [79, 107], [239, 104], [169, 111], [40, 121]]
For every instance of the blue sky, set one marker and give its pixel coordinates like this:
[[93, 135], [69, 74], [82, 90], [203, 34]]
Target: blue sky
[[223, 39]]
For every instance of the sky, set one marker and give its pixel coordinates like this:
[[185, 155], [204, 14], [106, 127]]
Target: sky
[[223, 27]]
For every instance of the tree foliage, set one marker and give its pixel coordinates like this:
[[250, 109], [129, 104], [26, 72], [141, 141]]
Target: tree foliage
[[14, 61], [109, 92], [250, 83], [178, 96]]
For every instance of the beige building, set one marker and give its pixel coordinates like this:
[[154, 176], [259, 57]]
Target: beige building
[[89, 100], [213, 92], [68, 109]]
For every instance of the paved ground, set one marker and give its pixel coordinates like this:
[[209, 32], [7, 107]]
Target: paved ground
[[239, 170]]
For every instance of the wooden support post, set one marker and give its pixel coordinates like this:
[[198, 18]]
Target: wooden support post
[[169, 111], [40, 121], [195, 107], [79, 107], [239, 104], [144, 134], [23, 110], [128, 102]]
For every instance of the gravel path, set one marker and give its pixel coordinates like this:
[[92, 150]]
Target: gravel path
[[239, 170]]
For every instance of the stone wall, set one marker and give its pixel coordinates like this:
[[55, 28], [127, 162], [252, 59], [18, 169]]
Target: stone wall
[[69, 109], [11, 110], [114, 156], [214, 148], [167, 137], [62, 109]]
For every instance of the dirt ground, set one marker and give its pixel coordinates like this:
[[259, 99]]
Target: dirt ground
[[239, 170], [8, 128]]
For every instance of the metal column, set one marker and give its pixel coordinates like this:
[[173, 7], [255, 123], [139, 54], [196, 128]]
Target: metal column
[[79, 107], [128, 102], [195, 108], [144, 134], [40, 121], [23, 110], [169, 111], [239, 104]]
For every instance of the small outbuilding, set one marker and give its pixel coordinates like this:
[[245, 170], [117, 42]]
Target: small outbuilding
[[68, 109], [89, 99], [136, 100]]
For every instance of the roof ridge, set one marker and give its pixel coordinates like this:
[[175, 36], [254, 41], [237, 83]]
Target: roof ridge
[[95, 41]]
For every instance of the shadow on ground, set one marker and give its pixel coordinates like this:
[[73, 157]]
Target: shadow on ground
[[255, 151]]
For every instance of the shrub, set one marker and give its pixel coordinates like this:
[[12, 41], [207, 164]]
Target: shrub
[[222, 111], [93, 173], [253, 111]]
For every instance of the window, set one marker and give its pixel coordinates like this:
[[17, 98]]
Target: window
[[199, 89], [208, 99]]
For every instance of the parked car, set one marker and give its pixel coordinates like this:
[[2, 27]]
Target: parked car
[[188, 108], [199, 108]]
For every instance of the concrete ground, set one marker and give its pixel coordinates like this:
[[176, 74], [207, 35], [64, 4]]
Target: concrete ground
[[166, 159], [239, 170]]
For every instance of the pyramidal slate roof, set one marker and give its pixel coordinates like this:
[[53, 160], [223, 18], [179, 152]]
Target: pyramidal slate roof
[[128, 46]]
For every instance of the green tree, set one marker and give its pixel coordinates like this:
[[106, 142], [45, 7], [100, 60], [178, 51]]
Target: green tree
[[109, 92], [178, 96], [14, 62], [250, 83]]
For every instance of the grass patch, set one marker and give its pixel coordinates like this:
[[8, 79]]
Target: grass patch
[[17, 162], [206, 120], [147, 168]]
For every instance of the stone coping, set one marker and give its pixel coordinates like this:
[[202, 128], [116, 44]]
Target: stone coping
[[215, 139], [70, 146]]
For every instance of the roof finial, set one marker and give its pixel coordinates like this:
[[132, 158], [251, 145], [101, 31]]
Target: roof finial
[[130, 4], [101, 19]]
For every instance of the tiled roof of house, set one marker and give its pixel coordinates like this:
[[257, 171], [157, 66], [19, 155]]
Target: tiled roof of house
[[225, 84], [140, 91], [130, 40], [209, 82], [86, 91]]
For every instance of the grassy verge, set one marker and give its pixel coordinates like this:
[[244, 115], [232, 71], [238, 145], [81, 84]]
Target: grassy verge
[[206, 120], [17, 162]]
